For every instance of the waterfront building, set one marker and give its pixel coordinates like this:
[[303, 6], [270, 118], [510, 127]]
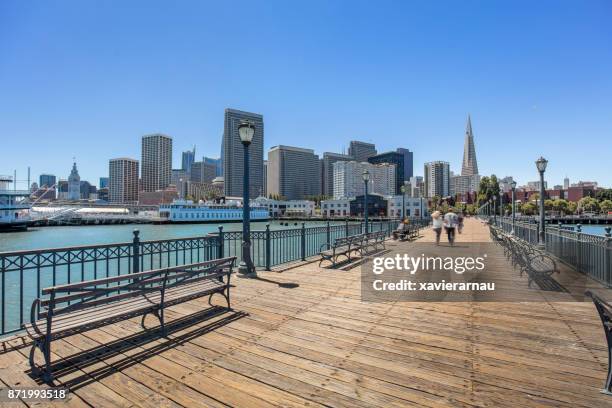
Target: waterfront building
[[437, 179], [327, 171], [62, 189], [47, 180], [202, 172], [293, 172], [156, 162], [103, 194], [535, 185], [415, 186], [361, 151], [123, 180], [415, 206], [566, 183], [187, 159], [286, 208], [217, 163], [103, 182], [377, 206], [74, 184], [233, 154], [469, 166], [348, 181], [462, 185], [88, 191], [402, 159], [178, 176], [336, 208]]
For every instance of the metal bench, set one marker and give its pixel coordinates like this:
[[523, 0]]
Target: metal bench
[[605, 314], [341, 247], [77, 307], [374, 241]]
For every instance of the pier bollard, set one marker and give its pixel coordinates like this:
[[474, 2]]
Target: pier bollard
[[136, 252], [578, 247]]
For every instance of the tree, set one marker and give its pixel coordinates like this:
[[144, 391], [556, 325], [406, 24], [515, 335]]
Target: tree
[[488, 187], [588, 204], [604, 194], [605, 206], [571, 207], [529, 208], [560, 205]]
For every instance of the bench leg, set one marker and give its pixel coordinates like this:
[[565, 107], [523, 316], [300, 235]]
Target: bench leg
[[45, 348]]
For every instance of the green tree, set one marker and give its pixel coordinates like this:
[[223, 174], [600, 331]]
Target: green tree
[[604, 194], [560, 205], [488, 187], [588, 204], [605, 206], [571, 207], [529, 208]]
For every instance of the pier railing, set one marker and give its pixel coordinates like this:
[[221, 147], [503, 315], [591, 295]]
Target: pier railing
[[24, 273], [586, 253]]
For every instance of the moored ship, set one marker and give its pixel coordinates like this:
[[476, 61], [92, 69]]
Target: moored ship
[[186, 211], [14, 206]]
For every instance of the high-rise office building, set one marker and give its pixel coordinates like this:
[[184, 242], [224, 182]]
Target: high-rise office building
[[327, 171], [233, 154], [103, 182], [293, 172], [469, 166], [348, 179], [566, 183], [437, 179], [265, 179], [402, 158], [123, 180], [361, 151], [48, 180], [74, 184], [156, 171], [187, 159], [217, 163]]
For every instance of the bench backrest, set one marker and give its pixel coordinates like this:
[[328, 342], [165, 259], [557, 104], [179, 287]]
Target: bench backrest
[[81, 295]]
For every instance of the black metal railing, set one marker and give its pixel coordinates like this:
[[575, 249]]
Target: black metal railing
[[24, 273]]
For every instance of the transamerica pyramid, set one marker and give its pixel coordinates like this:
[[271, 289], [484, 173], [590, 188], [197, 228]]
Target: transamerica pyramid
[[469, 167]]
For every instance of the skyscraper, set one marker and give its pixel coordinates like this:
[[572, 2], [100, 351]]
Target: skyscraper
[[566, 183], [103, 182], [437, 179], [48, 180], [233, 154], [348, 179], [327, 171], [469, 166], [217, 163], [123, 180], [293, 172], [156, 162], [361, 151], [402, 158], [187, 159], [74, 184]]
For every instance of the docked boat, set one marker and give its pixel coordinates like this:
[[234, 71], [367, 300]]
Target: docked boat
[[14, 206], [186, 211]]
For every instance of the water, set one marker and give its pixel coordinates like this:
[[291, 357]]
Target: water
[[54, 237], [591, 229]]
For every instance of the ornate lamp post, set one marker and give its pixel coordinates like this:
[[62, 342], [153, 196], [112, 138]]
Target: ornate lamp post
[[246, 130], [366, 178], [513, 186], [501, 205], [494, 209], [541, 165]]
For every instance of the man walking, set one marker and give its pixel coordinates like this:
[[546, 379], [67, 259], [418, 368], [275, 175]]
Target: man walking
[[450, 223]]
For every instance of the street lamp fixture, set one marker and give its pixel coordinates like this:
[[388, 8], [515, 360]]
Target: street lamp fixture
[[246, 131], [541, 165], [366, 178], [513, 186], [403, 189], [494, 209]]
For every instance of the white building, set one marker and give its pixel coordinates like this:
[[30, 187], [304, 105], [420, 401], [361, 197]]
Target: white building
[[414, 186], [74, 184], [278, 208], [437, 179], [336, 208], [348, 179], [415, 206], [463, 184]]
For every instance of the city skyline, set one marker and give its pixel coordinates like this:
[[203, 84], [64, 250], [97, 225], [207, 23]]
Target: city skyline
[[535, 84]]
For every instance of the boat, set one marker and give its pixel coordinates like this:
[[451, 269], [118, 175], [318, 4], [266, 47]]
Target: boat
[[186, 211], [14, 206]]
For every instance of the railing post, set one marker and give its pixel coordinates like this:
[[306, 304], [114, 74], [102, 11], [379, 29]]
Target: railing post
[[303, 242], [268, 247], [136, 252], [578, 247], [221, 242], [346, 230], [607, 260], [328, 232]]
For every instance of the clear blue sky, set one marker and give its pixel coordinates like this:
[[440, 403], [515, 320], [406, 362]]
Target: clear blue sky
[[88, 78]]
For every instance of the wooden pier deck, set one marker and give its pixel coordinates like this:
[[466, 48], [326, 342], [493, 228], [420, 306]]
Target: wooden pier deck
[[301, 337]]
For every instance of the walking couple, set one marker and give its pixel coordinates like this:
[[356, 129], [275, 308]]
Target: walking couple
[[449, 221]]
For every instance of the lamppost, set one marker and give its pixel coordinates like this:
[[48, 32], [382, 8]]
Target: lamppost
[[541, 165], [501, 205], [403, 189], [246, 130], [513, 186], [494, 209], [366, 179]]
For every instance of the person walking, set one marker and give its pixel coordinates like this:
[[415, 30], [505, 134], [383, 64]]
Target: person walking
[[460, 218], [450, 222], [437, 223]]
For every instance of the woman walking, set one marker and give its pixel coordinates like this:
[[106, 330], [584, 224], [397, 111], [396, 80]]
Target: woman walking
[[437, 222]]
